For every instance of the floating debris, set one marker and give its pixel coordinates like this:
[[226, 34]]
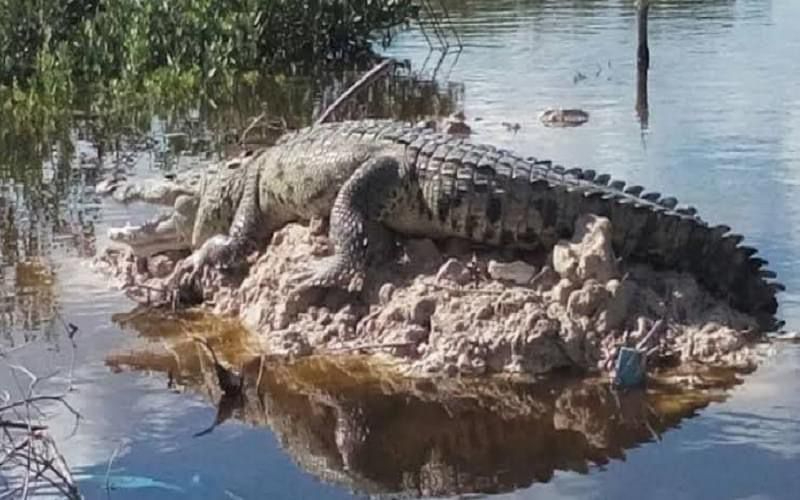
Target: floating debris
[[564, 117]]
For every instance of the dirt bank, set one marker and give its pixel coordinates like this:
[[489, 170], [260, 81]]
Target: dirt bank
[[450, 309]]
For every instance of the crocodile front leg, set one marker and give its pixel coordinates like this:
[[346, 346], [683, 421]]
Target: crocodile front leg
[[224, 251], [355, 227]]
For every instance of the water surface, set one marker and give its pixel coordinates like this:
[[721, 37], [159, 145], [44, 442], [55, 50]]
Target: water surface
[[723, 134]]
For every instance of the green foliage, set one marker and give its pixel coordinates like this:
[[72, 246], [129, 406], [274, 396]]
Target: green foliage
[[112, 56]]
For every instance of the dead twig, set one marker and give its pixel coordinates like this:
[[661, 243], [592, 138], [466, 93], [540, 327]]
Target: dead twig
[[366, 80], [28, 454], [255, 121]]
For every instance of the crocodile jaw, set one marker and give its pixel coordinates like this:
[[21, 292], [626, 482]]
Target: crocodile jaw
[[158, 236]]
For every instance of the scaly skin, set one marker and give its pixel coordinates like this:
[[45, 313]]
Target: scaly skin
[[375, 178]]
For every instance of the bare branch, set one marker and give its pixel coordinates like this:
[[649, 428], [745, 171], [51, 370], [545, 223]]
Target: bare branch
[[366, 80], [26, 447]]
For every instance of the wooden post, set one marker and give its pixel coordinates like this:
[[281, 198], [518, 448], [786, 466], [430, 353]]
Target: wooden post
[[642, 62], [643, 51]]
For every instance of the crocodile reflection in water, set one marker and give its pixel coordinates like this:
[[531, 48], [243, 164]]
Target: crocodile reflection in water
[[357, 425]]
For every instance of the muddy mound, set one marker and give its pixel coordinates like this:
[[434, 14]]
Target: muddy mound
[[448, 309]]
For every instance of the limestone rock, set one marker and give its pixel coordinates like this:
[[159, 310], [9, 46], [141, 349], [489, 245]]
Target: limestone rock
[[453, 270], [517, 272], [588, 255]]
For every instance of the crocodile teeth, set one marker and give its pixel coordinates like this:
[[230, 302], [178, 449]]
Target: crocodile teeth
[[651, 196], [620, 185], [757, 262], [766, 273], [668, 202], [634, 190], [602, 179]]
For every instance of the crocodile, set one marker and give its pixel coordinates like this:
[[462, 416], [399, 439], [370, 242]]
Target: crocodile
[[375, 179]]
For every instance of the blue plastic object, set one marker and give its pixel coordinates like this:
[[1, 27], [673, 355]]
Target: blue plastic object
[[631, 368]]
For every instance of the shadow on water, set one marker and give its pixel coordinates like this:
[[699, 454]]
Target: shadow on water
[[357, 425]]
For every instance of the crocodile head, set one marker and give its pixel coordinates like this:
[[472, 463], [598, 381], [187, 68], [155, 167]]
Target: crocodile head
[[220, 198], [164, 233], [195, 218]]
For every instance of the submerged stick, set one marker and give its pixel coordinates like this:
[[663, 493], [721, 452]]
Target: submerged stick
[[362, 82]]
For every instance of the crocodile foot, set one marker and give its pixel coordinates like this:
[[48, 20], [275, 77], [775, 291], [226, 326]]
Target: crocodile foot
[[192, 278], [332, 272]]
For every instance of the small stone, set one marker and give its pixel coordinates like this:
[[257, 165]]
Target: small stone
[[560, 292], [485, 312], [518, 272], [346, 316], [422, 311], [283, 317], [588, 300], [415, 334], [325, 319], [394, 314], [453, 270], [532, 319], [385, 293]]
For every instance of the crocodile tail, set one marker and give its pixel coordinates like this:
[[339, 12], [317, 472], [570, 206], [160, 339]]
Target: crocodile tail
[[652, 228]]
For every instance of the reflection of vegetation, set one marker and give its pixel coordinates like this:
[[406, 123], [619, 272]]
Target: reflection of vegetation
[[357, 424]]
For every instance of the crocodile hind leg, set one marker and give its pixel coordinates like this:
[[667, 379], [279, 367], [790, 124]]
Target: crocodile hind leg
[[355, 227]]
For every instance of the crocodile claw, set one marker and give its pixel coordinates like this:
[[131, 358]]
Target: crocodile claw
[[332, 272]]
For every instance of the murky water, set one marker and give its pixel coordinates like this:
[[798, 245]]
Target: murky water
[[723, 134]]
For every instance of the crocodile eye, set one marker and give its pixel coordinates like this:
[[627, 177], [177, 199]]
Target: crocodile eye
[[233, 164]]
